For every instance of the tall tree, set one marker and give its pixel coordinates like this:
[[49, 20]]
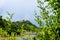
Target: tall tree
[[45, 16], [9, 22], [55, 4], [49, 19]]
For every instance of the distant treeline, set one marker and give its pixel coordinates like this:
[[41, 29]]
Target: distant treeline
[[17, 27]]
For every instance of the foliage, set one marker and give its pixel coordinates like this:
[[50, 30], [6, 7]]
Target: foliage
[[15, 28], [49, 20]]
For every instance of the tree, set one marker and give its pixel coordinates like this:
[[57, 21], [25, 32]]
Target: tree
[[45, 16], [9, 22], [55, 4], [48, 19]]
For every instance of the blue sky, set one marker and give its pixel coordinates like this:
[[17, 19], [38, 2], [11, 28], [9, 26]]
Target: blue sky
[[22, 9]]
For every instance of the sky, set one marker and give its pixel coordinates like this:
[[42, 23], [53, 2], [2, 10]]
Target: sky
[[22, 9]]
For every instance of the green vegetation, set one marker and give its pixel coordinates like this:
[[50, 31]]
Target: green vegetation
[[48, 19], [10, 29]]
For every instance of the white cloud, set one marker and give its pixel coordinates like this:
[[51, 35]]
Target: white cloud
[[2, 2], [23, 9]]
